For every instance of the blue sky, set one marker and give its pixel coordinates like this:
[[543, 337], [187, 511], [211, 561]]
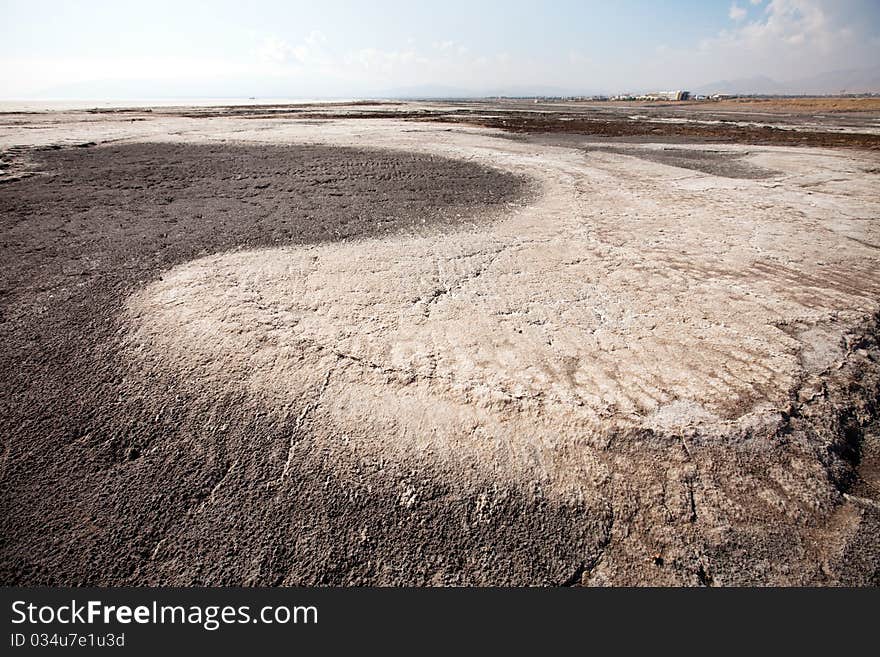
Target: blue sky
[[306, 49]]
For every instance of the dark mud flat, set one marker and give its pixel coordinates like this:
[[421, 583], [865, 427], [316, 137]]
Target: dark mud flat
[[615, 128], [727, 165], [672, 123], [112, 478]]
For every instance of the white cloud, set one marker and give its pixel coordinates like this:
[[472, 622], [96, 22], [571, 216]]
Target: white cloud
[[793, 22], [736, 12], [315, 37], [787, 40], [383, 61], [277, 52], [443, 63], [274, 50]]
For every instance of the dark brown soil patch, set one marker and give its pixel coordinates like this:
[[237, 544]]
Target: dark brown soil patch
[[615, 128]]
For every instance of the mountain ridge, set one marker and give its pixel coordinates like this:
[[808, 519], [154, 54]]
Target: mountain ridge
[[844, 81]]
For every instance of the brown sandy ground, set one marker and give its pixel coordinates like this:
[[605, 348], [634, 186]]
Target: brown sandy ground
[[809, 105]]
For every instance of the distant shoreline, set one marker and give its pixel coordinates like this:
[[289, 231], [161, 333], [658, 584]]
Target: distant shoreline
[[50, 105]]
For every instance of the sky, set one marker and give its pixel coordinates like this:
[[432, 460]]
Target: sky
[[330, 48]]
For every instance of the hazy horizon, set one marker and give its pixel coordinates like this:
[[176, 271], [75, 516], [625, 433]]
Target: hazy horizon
[[299, 50]]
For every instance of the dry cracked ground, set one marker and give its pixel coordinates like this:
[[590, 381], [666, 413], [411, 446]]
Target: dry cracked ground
[[270, 351]]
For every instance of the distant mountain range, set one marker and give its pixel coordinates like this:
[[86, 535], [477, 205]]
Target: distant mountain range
[[851, 81]]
